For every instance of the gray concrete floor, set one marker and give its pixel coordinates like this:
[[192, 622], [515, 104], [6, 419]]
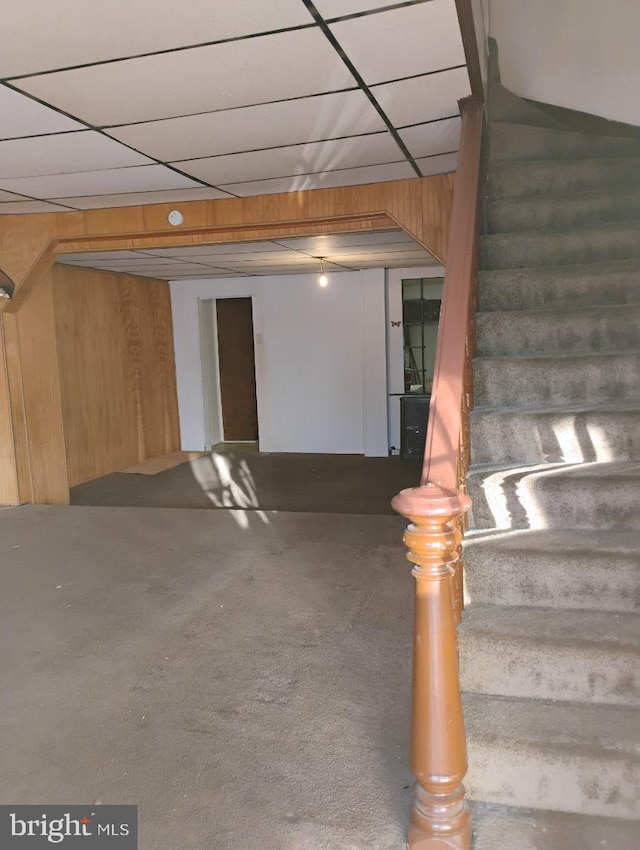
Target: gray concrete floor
[[282, 482], [241, 676]]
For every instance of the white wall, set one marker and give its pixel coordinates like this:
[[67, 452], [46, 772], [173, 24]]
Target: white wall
[[581, 54], [320, 360]]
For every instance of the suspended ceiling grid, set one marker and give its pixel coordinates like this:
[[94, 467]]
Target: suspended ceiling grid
[[112, 102], [300, 255]]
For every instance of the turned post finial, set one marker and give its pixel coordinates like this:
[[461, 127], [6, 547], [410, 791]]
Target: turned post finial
[[440, 817]]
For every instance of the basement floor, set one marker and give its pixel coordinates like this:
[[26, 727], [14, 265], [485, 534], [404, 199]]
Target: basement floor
[[247, 685], [317, 483], [243, 676]]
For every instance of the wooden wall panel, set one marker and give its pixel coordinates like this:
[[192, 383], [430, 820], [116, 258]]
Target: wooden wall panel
[[117, 371], [32, 368], [9, 494]]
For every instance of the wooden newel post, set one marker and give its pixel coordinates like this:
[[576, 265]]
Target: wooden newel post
[[440, 817]]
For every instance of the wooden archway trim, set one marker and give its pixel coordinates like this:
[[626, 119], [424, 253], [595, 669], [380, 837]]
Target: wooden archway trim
[[30, 244]]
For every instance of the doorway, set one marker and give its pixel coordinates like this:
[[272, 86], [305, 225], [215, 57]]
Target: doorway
[[236, 360]]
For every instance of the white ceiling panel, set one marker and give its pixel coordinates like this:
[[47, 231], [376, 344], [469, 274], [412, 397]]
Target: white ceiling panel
[[10, 196], [237, 73], [24, 207], [435, 138], [430, 40], [333, 8], [95, 30], [97, 255], [228, 247], [22, 116], [303, 182], [377, 256], [86, 151], [423, 98], [209, 274], [168, 196], [289, 122], [333, 242], [138, 179], [442, 164], [297, 159]]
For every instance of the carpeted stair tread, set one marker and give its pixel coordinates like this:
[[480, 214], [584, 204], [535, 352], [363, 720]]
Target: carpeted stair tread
[[591, 496], [559, 568], [533, 380], [578, 656], [599, 244], [500, 827], [567, 285], [579, 209], [509, 179], [568, 329], [569, 434], [512, 141], [577, 758]]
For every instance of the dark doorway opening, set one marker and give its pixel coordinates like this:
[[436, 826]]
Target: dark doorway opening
[[237, 369]]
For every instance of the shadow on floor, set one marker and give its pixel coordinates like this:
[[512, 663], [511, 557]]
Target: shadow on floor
[[244, 689], [316, 483]]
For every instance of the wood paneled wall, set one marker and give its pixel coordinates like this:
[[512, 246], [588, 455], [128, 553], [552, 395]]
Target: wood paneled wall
[[35, 401], [117, 371]]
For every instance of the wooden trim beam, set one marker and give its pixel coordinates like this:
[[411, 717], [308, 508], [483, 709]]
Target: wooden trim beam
[[29, 244]]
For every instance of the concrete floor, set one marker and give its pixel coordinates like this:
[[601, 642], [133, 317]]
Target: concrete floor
[[279, 482], [242, 677]]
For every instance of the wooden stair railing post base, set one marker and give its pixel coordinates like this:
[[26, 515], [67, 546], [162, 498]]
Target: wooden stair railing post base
[[440, 818]]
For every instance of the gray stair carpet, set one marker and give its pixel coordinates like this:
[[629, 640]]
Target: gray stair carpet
[[550, 642]]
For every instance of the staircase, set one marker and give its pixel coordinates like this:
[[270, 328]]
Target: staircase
[[550, 643]]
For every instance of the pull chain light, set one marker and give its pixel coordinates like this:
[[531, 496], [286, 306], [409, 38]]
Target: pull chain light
[[323, 279]]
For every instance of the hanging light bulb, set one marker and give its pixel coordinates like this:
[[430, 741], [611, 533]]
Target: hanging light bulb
[[323, 280]]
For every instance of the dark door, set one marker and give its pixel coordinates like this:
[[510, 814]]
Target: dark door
[[237, 369]]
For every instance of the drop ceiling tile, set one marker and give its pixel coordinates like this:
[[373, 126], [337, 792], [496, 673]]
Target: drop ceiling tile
[[443, 164], [297, 159], [239, 257], [111, 29], [304, 182], [23, 207], [60, 154], [426, 260], [427, 38], [236, 73], [221, 248], [211, 273], [269, 125], [132, 199], [89, 256], [435, 138], [116, 180], [334, 242], [22, 116], [423, 98], [10, 196], [377, 257], [333, 8]]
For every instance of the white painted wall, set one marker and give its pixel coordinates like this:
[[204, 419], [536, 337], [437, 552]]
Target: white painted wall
[[581, 54], [320, 360]]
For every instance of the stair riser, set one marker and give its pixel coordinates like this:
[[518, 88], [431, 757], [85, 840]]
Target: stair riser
[[553, 500], [517, 142], [519, 250], [513, 382], [547, 213], [569, 581], [553, 780], [520, 179], [527, 668], [561, 332], [554, 438], [528, 289]]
